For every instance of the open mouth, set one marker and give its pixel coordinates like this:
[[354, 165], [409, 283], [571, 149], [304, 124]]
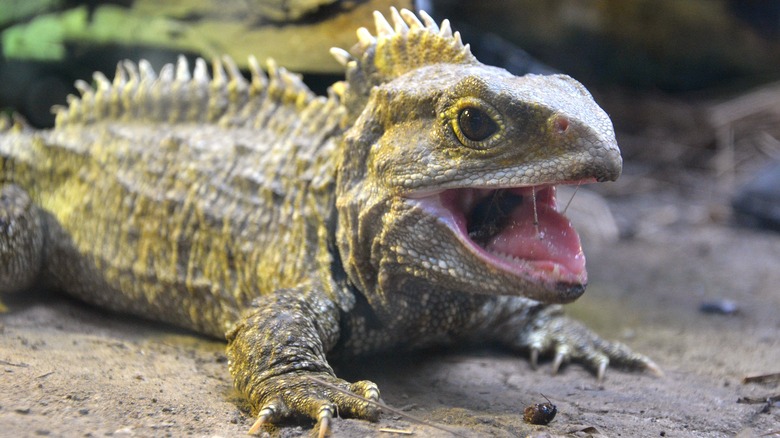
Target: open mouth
[[517, 230]]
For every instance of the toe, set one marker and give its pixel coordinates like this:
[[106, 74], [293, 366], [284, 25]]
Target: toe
[[534, 357], [265, 416], [365, 389]]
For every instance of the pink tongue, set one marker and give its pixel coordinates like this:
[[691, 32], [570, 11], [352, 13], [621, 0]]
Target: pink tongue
[[554, 240]]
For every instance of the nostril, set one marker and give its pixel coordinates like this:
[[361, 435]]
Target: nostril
[[560, 123]]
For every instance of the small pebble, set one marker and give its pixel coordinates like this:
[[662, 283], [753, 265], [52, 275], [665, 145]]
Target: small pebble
[[719, 307]]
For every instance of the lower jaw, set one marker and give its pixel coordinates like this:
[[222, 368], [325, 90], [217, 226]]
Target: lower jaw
[[569, 292]]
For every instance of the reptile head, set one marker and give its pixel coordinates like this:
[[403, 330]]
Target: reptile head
[[452, 167]]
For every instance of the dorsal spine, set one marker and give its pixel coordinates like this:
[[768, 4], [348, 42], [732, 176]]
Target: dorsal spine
[[175, 95], [406, 44]]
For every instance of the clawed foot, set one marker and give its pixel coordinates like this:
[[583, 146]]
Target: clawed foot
[[569, 340], [317, 396]]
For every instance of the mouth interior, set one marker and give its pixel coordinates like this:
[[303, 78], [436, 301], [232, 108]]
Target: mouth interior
[[518, 229]]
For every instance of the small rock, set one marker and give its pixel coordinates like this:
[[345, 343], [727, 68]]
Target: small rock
[[719, 307], [125, 431]]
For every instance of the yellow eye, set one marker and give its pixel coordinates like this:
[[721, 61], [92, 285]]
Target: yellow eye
[[475, 124]]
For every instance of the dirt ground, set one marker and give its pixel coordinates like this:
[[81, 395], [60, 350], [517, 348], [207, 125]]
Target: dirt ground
[[75, 371]]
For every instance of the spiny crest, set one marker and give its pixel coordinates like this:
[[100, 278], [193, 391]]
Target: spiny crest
[[13, 123], [176, 94], [408, 43]]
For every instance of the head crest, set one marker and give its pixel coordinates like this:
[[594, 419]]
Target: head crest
[[406, 44]]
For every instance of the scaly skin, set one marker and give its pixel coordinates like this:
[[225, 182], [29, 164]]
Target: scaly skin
[[413, 206]]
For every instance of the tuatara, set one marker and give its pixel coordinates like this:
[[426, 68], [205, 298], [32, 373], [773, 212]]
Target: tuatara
[[414, 205]]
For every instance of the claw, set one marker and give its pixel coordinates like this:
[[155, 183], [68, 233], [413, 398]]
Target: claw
[[324, 427], [561, 353], [653, 368], [263, 417], [602, 370], [556, 365], [323, 419], [534, 357]]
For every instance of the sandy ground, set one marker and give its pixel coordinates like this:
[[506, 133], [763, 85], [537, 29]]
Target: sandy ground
[[72, 370]]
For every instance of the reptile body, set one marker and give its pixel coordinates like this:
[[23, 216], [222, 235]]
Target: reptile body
[[412, 206]]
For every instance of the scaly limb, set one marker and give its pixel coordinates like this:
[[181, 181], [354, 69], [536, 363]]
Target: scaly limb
[[277, 349], [350, 400], [550, 332]]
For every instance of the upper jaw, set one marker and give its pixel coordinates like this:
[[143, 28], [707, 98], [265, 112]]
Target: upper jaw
[[515, 230]]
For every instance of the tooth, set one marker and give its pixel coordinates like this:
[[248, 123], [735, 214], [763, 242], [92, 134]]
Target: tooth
[[507, 257]]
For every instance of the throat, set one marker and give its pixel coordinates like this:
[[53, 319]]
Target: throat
[[493, 214]]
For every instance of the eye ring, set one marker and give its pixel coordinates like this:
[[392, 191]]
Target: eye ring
[[475, 124]]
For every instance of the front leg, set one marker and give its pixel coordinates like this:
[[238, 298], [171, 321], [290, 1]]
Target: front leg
[[547, 330], [279, 346]]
